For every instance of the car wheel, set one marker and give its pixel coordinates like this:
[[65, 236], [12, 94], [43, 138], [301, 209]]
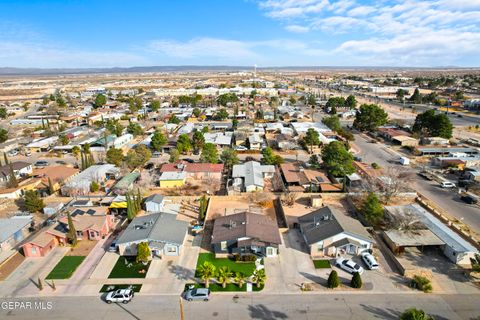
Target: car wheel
[[190, 299], [205, 299], [109, 302], [126, 301]]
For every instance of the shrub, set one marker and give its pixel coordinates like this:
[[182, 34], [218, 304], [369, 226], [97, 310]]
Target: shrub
[[421, 283], [333, 280], [356, 281], [94, 186], [415, 314], [375, 165]]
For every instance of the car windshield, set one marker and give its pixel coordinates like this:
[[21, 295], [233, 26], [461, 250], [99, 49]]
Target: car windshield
[[357, 267]]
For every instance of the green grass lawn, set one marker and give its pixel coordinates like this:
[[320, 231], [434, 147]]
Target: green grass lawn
[[136, 287], [65, 267], [246, 268], [128, 268], [321, 264], [231, 287]]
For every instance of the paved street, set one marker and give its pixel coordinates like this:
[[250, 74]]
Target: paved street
[[446, 199], [254, 306]]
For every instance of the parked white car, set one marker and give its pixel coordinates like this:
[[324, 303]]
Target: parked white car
[[447, 184], [120, 295], [369, 260], [348, 265]]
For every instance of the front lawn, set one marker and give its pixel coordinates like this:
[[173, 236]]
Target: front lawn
[[128, 268], [113, 287], [321, 264], [246, 268], [231, 287], [65, 267]]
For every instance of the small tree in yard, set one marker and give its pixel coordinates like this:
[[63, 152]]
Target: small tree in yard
[[202, 210], [372, 209], [421, 283], [259, 277], [51, 190], [72, 232], [333, 280], [40, 284], [240, 279], [33, 202], [224, 276], [356, 281], [94, 186], [143, 252], [475, 261], [206, 271], [414, 314]]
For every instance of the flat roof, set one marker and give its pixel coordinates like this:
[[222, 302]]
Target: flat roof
[[413, 238]]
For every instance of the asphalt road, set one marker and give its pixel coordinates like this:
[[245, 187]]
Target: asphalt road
[[265, 307], [447, 199]]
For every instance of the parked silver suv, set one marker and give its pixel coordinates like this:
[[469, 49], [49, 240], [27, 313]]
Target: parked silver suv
[[120, 295], [197, 294]]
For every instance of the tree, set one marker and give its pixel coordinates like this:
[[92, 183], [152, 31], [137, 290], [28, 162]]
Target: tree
[[333, 280], [312, 138], [475, 261], [143, 252], [138, 156], [114, 127], [94, 186], [174, 156], [235, 123], [76, 151], [63, 139], [414, 314], [174, 119], [333, 122], [270, 158], [337, 160], [198, 140], [224, 276], [115, 156], [229, 158], [372, 209], [155, 105], [356, 281], [221, 115], [334, 103], [3, 113], [292, 100], [351, 102], [158, 141], [100, 100], [416, 97], [209, 153], [183, 143], [33, 202], [240, 279], [206, 271], [40, 284], [135, 129], [429, 124], [226, 98], [3, 135], [196, 112], [369, 117], [135, 104], [12, 179], [72, 232], [401, 94], [202, 209], [313, 161], [51, 189], [259, 277]]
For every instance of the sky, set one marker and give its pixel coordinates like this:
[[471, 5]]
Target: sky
[[124, 33]]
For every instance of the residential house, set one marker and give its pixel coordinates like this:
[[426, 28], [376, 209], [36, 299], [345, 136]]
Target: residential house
[[197, 171], [172, 179], [20, 170], [13, 231], [255, 141], [162, 231], [251, 176], [58, 175], [245, 233], [298, 178], [331, 233], [80, 184], [154, 203]]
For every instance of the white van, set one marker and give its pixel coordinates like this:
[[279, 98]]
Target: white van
[[447, 184]]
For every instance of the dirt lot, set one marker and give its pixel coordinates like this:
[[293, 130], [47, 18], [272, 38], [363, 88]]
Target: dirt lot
[[8, 267], [228, 205], [82, 248]]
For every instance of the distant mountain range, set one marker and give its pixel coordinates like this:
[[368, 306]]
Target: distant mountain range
[[58, 71]]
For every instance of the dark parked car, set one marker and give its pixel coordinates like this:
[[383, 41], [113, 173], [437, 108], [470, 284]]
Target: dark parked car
[[469, 199], [189, 160]]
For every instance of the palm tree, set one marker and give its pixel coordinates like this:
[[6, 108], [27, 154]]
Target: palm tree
[[259, 277], [223, 276], [240, 279], [206, 272]]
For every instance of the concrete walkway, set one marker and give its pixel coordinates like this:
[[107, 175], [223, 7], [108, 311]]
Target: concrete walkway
[[105, 266]]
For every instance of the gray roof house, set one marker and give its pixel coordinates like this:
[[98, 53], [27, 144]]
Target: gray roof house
[[331, 233], [154, 203], [162, 231], [250, 176], [13, 230]]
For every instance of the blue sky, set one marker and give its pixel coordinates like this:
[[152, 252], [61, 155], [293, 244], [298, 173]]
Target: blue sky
[[107, 33]]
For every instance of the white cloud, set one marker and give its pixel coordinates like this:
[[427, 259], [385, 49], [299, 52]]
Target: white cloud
[[292, 8], [297, 29]]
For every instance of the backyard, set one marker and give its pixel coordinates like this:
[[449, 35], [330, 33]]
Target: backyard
[[128, 268], [65, 267], [246, 268]]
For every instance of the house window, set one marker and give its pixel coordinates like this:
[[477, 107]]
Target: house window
[[172, 249], [269, 251], [34, 250], [223, 245], [365, 245]]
